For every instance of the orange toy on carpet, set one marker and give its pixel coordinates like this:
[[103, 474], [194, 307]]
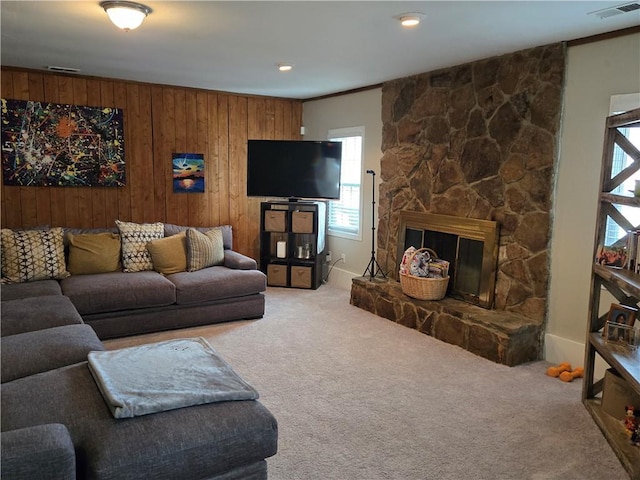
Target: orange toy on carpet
[[569, 376], [556, 371]]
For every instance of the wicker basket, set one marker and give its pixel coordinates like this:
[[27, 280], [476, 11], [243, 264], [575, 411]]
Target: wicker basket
[[423, 288]]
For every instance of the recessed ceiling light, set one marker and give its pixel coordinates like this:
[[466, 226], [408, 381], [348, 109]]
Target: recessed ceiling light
[[410, 19], [284, 67]]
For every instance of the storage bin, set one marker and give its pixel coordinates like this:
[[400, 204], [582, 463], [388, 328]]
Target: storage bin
[[276, 275], [275, 221], [301, 277], [302, 222]]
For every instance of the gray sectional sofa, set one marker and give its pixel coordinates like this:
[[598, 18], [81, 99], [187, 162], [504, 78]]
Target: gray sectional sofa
[[54, 420]]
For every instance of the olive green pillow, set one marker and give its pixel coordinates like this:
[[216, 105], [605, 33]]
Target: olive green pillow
[[93, 253], [169, 254], [204, 249]]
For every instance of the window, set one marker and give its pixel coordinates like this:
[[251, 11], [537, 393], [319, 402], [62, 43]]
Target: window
[[345, 217], [614, 233]]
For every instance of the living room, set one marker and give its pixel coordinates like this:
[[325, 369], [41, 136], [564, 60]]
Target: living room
[[162, 119]]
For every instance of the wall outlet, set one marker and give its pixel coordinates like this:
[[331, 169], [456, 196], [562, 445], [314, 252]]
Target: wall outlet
[[328, 257], [343, 257]]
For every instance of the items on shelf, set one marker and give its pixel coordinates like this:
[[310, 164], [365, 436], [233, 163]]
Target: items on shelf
[[632, 424]]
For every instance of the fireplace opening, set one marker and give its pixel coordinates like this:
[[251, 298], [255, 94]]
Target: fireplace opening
[[469, 245]]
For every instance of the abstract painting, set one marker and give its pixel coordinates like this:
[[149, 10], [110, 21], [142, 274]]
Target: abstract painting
[[188, 173], [50, 144]]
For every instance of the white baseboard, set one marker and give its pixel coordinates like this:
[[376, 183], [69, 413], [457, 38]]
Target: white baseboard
[[341, 278], [559, 349]]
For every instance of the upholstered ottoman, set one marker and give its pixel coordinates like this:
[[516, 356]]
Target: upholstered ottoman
[[224, 440]]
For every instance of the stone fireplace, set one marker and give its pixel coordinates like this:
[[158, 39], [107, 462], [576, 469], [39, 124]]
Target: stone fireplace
[[478, 141]]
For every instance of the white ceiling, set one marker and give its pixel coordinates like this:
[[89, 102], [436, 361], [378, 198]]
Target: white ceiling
[[334, 46]]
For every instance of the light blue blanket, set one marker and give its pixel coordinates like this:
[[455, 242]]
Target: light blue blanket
[[163, 376]]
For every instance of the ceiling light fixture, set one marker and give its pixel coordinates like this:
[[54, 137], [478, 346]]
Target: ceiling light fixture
[[126, 15], [284, 67], [410, 19]]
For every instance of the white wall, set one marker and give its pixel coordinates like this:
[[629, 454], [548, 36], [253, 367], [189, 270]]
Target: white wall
[[353, 110], [595, 72]]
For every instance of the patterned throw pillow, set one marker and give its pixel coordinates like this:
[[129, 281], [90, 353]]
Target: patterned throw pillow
[[134, 238], [204, 249], [30, 255]]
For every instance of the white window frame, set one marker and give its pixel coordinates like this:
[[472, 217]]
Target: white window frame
[[337, 134]]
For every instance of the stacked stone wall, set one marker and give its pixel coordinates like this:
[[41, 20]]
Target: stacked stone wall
[[479, 140]]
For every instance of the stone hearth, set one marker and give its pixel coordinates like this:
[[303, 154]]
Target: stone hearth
[[500, 336]]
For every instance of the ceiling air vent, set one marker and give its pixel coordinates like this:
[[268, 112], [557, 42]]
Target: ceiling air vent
[[619, 10], [53, 68]]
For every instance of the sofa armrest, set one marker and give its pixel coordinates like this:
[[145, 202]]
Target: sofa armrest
[[43, 452], [239, 261]]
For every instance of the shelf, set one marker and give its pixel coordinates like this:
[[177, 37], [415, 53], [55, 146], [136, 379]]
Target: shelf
[[621, 277], [613, 430], [626, 363]]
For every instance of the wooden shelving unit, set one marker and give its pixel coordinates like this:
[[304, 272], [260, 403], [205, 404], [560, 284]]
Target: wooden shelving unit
[[300, 228], [623, 284]]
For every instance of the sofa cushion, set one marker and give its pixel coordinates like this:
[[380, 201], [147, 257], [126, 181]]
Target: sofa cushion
[[227, 232], [110, 292], [14, 291], [169, 254], [93, 253], [37, 313], [204, 249], [42, 452], [134, 237], [214, 283], [195, 442], [43, 350], [30, 255]]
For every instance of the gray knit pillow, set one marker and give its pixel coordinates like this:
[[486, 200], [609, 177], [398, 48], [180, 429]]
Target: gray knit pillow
[[204, 249]]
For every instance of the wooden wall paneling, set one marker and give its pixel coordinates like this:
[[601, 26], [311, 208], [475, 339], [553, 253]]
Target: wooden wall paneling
[[222, 145], [296, 121], [11, 208], [145, 145], [85, 208], [212, 182], [179, 200], [199, 202], [133, 147], [57, 196], [160, 170], [193, 200], [168, 146], [110, 194], [124, 193], [238, 109]]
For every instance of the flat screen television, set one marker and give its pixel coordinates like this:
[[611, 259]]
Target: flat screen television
[[294, 169]]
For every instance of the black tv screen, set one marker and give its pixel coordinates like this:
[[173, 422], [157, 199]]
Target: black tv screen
[[294, 169]]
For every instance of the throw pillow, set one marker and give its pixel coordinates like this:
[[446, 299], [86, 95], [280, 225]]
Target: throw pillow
[[204, 249], [30, 255], [93, 253], [169, 254], [134, 238]]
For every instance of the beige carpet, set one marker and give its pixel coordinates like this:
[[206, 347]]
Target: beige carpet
[[359, 397]]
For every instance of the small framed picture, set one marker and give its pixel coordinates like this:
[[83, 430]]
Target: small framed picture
[[620, 334], [622, 314]]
